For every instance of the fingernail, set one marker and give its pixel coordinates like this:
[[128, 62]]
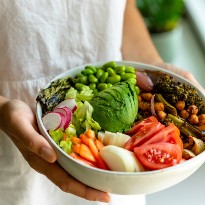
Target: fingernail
[[47, 154], [105, 199]]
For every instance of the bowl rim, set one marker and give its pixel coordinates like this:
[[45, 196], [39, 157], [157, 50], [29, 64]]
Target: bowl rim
[[199, 157]]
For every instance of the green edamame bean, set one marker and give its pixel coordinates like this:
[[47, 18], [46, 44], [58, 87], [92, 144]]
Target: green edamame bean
[[120, 69], [78, 75], [110, 71], [113, 79], [77, 80], [92, 86], [99, 73], [95, 91], [132, 80], [104, 77], [126, 76], [110, 64], [137, 90], [109, 85], [86, 72], [102, 86], [91, 68], [92, 79], [130, 69], [83, 79], [79, 86]]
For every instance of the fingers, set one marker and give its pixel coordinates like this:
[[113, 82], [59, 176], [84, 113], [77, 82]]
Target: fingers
[[64, 181], [32, 140]]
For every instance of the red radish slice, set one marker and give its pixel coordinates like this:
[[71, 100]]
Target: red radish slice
[[52, 121], [70, 103], [67, 115]]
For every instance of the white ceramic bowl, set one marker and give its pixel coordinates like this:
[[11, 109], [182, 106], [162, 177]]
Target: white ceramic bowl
[[124, 183]]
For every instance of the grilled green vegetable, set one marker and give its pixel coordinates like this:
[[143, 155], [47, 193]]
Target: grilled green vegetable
[[54, 94], [171, 109], [186, 128], [174, 92]]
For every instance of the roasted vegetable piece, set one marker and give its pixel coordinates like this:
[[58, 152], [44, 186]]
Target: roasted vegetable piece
[[174, 92], [171, 109], [54, 94], [186, 128]]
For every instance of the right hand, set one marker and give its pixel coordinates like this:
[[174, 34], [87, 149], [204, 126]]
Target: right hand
[[18, 122]]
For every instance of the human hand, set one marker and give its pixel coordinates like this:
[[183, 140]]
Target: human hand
[[183, 73], [18, 122]]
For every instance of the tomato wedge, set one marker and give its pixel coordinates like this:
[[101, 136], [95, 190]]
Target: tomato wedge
[[169, 134], [144, 133], [146, 122], [159, 155]]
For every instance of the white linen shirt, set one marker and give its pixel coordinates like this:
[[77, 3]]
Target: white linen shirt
[[39, 40]]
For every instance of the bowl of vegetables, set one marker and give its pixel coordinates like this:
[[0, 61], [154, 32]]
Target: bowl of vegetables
[[124, 127]]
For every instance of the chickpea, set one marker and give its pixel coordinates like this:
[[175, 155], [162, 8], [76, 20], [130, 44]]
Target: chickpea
[[146, 96], [193, 119], [201, 122], [180, 105], [184, 114], [193, 109], [159, 106], [139, 98], [161, 115], [145, 106], [201, 117]]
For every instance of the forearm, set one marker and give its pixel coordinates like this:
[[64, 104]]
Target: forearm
[[137, 44], [2, 102]]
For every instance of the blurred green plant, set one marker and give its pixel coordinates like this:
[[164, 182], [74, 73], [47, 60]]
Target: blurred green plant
[[161, 15]]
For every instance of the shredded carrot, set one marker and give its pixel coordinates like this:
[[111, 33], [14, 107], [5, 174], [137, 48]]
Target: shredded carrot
[[99, 144], [86, 153], [75, 140], [90, 133], [76, 148], [93, 148]]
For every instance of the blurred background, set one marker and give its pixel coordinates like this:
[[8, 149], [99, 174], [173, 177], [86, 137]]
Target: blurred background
[[177, 28]]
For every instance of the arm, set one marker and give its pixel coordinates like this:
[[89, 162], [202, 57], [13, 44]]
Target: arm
[[37, 151], [137, 44]]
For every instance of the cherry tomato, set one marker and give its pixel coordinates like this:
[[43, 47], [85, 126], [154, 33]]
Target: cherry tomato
[[159, 155]]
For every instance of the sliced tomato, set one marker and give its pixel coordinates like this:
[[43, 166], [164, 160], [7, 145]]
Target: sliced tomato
[[169, 134], [136, 127], [159, 155], [147, 131]]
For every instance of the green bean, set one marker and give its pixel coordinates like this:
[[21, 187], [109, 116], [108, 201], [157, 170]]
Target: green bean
[[79, 86], [110, 71], [127, 76], [132, 80], [113, 79], [87, 72], [130, 69], [120, 69], [110, 64], [102, 86], [104, 77], [95, 91], [99, 73], [109, 85], [92, 86], [78, 75], [92, 79], [137, 90], [91, 68], [83, 79]]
